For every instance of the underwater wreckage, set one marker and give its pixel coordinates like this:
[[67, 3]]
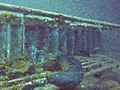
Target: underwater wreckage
[[38, 34]]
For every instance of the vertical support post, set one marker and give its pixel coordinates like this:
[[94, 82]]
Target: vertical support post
[[23, 34], [46, 41], [77, 41], [8, 28], [53, 40], [94, 39], [83, 40], [89, 40], [70, 42], [63, 40], [16, 38], [3, 43], [99, 42], [29, 46]]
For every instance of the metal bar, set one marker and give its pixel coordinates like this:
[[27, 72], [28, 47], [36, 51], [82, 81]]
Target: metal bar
[[8, 28], [70, 42], [38, 12], [63, 41]]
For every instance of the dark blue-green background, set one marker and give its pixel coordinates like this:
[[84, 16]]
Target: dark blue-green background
[[104, 10]]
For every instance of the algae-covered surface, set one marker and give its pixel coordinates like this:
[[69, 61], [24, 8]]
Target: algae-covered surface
[[101, 73]]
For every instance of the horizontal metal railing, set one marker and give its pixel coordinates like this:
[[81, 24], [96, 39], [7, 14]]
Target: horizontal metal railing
[[26, 11]]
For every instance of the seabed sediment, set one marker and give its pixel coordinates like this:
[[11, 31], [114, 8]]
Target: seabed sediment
[[101, 73]]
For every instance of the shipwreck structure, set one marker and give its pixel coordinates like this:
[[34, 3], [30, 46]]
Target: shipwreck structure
[[28, 31]]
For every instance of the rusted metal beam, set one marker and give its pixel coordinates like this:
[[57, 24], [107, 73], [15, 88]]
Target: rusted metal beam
[[26, 11]]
